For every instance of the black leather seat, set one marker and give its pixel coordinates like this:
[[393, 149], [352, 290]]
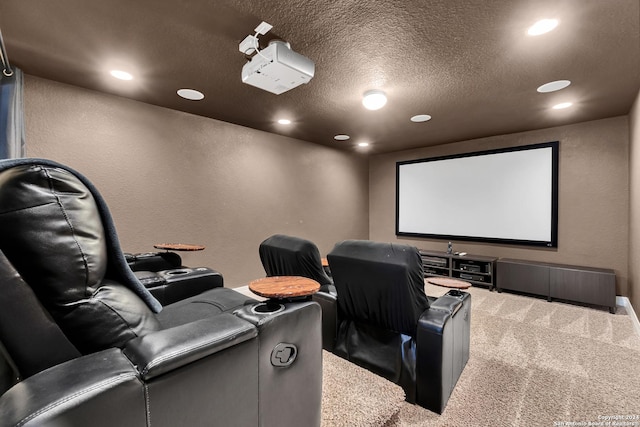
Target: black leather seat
[[82, 342], [388, 325], [283, 255]]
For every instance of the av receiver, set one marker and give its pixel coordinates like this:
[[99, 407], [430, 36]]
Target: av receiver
[[474, 277], [434, 262], [471, 267]]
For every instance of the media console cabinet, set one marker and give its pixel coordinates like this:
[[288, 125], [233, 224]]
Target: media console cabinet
[[586, 285], [475, 269]]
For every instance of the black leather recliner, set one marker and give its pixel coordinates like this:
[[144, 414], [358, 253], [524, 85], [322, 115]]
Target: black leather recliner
[[389, 326], [283, 255], [169, 285], [82, 342], [153, 261], [163, 274]]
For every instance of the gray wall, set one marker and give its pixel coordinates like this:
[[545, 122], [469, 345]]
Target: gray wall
[[169, 176], [593, 223], [634, 202]]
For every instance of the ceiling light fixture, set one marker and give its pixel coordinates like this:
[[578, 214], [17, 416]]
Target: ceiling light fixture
[[421, 118], [190, 94], [553, 86], [562, 105], [341, 137], [363, 144], [284, 121], [122, 75], [543, 26], [374, 99]]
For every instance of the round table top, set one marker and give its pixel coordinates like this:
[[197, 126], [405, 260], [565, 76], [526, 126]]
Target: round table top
[[284, 287], [178, 247], [449, 283]]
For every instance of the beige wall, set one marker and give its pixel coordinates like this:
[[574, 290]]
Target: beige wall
[[172, 176], [634, 203], [593, 221], [169, 176]]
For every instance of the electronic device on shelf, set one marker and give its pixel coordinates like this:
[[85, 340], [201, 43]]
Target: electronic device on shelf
[[474, 277], [434, 262], [471, 267]]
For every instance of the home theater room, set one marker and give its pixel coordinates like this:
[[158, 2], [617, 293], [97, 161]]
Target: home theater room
[[346, 213]]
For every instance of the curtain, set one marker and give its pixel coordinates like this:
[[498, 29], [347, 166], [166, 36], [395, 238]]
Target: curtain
[[12, 141]]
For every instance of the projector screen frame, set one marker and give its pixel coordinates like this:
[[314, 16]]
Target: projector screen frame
[[552, 242]]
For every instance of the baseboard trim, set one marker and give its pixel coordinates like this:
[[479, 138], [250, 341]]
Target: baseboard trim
[[624, 302]]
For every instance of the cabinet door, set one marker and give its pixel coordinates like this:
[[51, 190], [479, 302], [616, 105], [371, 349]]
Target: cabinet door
[[589, 287], [529, 278]]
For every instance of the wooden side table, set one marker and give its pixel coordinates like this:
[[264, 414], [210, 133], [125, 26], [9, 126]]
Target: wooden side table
[[178, 247], [449, 283], [281, 288]]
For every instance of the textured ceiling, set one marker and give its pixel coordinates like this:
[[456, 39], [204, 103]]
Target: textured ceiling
[[467, 63]]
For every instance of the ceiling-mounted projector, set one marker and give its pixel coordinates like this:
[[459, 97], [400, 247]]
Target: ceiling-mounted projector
[[277, 68]]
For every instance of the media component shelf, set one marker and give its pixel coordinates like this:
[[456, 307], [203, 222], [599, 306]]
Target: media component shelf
[[475, 269]]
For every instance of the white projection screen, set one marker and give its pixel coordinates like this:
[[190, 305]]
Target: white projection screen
[[503, 196]]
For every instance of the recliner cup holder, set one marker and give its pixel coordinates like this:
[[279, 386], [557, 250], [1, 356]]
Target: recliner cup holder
[[267, 307], [177, 272]]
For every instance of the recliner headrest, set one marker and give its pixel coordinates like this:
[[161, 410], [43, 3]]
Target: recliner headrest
[[52, 232], [283, 255], [117, 268]]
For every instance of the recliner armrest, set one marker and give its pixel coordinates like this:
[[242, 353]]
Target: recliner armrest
[[442, 346], [103, 385], [328, 300], [169, 286], [448, 303], [160, 352]]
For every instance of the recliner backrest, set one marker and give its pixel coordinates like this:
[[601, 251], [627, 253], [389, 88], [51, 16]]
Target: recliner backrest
[[283, 255], [52, 233], [380, 284]]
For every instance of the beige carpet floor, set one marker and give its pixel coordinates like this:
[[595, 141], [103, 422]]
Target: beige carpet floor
[[535, 363], [354, 397], [532, 363]]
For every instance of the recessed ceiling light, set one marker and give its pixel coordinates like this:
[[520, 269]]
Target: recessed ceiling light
[[191, 94], [553, 86], [284, 121], [543, 26], [374, 99], [122, 75], [421, 118], [562, 105], [341, 137], [363, 144]]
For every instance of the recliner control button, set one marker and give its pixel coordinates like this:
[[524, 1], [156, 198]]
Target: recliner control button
[[283, 354]]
